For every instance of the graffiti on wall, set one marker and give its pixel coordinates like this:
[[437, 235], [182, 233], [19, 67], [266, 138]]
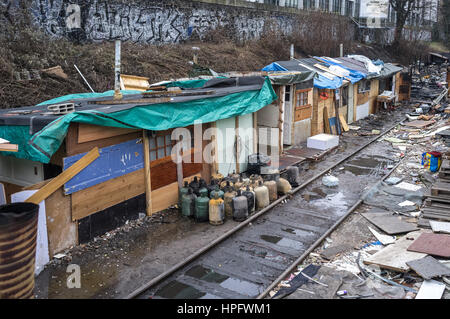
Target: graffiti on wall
[[145, 21]]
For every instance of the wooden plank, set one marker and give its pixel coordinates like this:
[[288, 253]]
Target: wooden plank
[[167, 196], [2, 194], [62, 232], [64, 177], [343, 122], [73, 147], [395, 256], [7, 147], [147, 174], [87, 132], [107, 194]]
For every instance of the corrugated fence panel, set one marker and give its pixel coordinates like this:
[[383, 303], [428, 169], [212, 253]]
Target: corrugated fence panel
[[114, 161]]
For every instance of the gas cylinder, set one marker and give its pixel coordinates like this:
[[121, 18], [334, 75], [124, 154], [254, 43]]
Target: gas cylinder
[[228, 202], [250, 199], [238, 184], [226, 182], [195, 185], [218, 191], [272, 187], [202, 208], [254, 180], [188, 203], [183, 190], [216, 210], [240, 207], [228, 187], [234, 177], [262, 196], [211, 187], [283, 186], [203, 188], [293, 175]]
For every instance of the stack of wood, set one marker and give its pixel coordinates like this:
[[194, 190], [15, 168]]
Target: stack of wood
[[6, 146], [437, 202]]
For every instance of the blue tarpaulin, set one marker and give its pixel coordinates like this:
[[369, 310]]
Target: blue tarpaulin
[[274, 67], [354, 75]]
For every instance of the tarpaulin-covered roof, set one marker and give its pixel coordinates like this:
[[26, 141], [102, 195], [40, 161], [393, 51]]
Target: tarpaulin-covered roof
[[389, 70], [217, 99]]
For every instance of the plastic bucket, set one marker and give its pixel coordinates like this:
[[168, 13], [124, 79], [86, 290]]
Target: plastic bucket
[[18, 232]]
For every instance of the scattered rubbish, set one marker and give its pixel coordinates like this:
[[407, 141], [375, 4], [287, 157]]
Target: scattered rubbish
[[331, 252], [406, 203], [389, 223], [59, 256], [396, 255], [330, 181], [376, 132], [432, 244], [390, 281], [428, 267], [431, 289], [408, 186], [341, 292], [393, 180], [354, 127], [297, 281], [384, 239]]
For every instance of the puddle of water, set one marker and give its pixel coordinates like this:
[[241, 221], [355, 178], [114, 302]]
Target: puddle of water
[[178, 290], [241, 286], [234, 284], [206, 274], [355, 170], [332, 201], [369, 161], [319, 192], [281, 241]]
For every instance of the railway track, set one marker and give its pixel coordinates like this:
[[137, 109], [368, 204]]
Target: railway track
[[251, 259]]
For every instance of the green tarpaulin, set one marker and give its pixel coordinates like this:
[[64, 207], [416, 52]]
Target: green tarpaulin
[[156, 117]]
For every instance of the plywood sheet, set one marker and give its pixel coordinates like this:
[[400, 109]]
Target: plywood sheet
[[419, 123], [396, 256], [433, 244]]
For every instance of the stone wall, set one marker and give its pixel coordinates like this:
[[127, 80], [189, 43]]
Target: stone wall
[[149, 21]]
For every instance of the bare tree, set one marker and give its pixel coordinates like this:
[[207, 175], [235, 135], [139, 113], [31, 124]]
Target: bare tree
[[403, 9]]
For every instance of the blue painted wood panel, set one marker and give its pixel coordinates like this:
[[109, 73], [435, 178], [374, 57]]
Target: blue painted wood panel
[[114, 161]]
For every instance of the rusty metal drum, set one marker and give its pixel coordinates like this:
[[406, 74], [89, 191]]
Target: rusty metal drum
[[18, 232]]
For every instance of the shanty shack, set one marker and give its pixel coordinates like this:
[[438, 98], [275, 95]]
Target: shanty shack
[[291, 113], [134, 140], [345, 89]]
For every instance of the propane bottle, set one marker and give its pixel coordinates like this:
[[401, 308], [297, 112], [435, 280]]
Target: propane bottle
[[226, 182], [283, 186], [182, 191], [250, 200], [216, 210], [203, 188], [238, 184], [202, 208], [228, 201], [262, 196], [188, 203], [240, 207], [211, 187], [293, 175], [272, 187], [218, 191], [234, 177], [228, 187], [195, 185]]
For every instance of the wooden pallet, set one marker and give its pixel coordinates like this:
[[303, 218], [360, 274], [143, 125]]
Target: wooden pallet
[[436, 213], [433, 203], [440, 189]]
